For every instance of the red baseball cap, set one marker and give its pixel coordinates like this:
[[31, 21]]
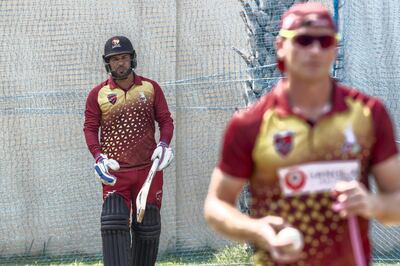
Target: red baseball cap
[[309, 14]]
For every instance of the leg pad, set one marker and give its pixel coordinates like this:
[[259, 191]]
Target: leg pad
[[146, 236], [115, 232]]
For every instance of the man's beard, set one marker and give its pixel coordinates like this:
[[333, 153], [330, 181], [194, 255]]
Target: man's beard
[[121, 75]]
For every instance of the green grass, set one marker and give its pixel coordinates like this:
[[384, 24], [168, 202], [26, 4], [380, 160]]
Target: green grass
[[236, 255], [170, 263], [97, 263], [232, 255]]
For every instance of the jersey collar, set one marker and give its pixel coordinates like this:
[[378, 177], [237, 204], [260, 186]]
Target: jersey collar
[[137, 80], [283, 106]]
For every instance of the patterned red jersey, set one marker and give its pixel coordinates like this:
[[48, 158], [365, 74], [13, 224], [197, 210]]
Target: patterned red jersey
[[269, 137], [126, 119]]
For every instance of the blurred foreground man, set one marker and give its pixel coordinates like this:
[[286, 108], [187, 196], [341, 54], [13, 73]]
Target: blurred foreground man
[[307, 148]]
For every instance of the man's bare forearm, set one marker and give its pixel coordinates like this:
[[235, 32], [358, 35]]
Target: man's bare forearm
[[387, 210], [229, 221]]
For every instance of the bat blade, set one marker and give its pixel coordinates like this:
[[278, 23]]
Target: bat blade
[[141, 198], [141, 202]]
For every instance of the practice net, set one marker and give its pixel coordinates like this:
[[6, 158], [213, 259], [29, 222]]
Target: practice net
[[369, 60], [51, 58]]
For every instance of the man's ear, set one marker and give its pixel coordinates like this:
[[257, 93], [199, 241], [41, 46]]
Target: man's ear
[[278, 46]]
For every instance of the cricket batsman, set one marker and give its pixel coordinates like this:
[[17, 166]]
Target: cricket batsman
[[119, 129]]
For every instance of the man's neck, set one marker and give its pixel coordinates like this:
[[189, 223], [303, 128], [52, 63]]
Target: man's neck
[[309, 94], [310, 98], [127, 83]]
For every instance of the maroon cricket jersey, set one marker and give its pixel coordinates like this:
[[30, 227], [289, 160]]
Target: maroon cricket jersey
[[268, 137], [126, 119]]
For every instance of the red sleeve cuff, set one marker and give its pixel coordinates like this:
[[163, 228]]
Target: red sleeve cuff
[[232, 172]]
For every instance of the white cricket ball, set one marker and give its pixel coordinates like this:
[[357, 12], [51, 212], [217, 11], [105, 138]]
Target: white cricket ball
[[291, 234]]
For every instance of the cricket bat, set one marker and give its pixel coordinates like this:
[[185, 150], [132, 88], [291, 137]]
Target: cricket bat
[[144, 191]]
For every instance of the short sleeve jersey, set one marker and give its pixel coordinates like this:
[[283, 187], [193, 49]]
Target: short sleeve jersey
[[269, 136]]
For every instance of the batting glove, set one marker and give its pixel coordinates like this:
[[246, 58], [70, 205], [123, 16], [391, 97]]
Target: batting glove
[[103, 164], [164, 154]]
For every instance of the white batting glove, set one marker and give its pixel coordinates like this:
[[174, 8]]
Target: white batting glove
[[164, 154], [103, 164]]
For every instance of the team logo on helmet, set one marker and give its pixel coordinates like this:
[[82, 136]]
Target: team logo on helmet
[[295, 179], [112, 98], [115, 43], [283, 142]]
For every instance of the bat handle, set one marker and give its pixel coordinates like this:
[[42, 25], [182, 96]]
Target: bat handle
[[356, 243], [155, 164]]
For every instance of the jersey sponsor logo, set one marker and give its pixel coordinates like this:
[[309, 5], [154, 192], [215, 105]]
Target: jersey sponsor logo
[[112, 98], [316, 176], [350, 145], [142, 97], [295, 179], [115, 43], [283, 142]]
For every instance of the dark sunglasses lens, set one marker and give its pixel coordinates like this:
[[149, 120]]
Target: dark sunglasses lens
[[326, 41], [304, 40]]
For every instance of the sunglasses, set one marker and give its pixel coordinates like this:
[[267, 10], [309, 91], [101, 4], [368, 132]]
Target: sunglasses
[[304, 40]]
